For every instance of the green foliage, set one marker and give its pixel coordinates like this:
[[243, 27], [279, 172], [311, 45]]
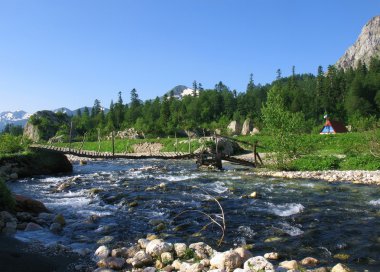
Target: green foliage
[[10, 144], [362, 123], [284, 126], [361, 162], [189, 254], [7, 202], [315, 163], [13, 130]]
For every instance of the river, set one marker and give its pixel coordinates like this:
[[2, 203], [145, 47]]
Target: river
[[122, 200]]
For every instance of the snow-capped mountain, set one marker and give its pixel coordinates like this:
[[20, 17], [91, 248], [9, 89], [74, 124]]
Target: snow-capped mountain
[[16, 118], [180, 91]]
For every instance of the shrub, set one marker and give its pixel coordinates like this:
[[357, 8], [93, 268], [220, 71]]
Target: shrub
[[7, 201], [315, 163], [10, 144], [361, 162]]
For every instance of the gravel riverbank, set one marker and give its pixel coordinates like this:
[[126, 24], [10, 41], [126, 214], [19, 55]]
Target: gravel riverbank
[[354, 176]]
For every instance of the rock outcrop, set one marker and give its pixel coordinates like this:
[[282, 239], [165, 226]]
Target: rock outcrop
[[234, 128], [247, 127], [44, 125], [365, 47]]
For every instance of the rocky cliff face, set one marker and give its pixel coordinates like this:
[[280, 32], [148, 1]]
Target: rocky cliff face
[[44, 124], [366, 46]]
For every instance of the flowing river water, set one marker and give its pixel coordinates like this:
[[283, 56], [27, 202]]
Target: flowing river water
[[122, 200]]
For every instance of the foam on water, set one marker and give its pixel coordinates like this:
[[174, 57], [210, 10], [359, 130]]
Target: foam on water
[[218, 187], [375, 202], [287, 209], [246, 231], [289, 229], [175, 178]]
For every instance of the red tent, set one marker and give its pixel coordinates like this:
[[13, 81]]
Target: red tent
[[332, 127]]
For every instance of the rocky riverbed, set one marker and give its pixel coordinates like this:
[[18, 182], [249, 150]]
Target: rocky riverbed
[[153, 254], [115, 203], [357, 176]]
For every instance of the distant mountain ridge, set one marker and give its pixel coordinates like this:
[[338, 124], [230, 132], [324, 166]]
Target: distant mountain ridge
[[19, 118], [366, 46]]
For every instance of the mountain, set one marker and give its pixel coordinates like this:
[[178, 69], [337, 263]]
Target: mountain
[[365, 47], [65, 110], [74, 112], [16, 118], [180, 91]]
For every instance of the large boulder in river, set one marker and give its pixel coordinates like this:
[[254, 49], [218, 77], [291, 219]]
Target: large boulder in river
[[44, 125], [26, 204], [38, 162], [228, 147], [234, 128]]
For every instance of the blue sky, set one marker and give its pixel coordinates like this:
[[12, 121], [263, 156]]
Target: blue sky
[[67, 53]]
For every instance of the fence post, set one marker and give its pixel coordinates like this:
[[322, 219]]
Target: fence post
[[71, 129], [113, 143]]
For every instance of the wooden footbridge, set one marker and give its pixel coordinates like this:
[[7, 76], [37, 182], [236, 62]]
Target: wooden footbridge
[[109, 155], [203, 159]]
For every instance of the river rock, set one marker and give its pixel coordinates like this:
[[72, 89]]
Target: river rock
[[243, 253], [105, 240], [202, 250], [180, 249], [309, 261], [25, 204], [205, 262], [141, 259], [256, 264], [112, 262], [187, 267], [149, 269], [102, 269], [120, 252], [271, 256], [33, 227], [247, 127], [341, 268], [55, 228], [290, 265], [157, 247], [8, 223], [13, 176], [167, 257], [102, 252], [177, 264], [47, 217], [228, 260], [143, 243], [158, 264], [132, 250], [59, 219]]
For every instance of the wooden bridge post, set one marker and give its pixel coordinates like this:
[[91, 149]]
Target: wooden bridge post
[[176, 141], [98, 140], [71, 129], [113, 143]]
